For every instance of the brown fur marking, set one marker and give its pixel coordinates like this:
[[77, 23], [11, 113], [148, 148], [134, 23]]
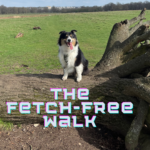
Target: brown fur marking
[[75, 59], [73, 42], [63, 41]]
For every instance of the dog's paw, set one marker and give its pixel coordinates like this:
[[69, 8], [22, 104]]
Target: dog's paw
[[79, 79], [64, 78]]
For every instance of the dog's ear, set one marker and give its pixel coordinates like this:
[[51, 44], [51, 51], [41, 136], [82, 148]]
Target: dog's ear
[[73, 31], [62, 32]]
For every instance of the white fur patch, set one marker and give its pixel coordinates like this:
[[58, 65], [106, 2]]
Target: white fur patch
[[64, 50], [79, 70], [69, 38]]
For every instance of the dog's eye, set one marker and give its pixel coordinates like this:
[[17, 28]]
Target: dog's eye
[[71, 35]]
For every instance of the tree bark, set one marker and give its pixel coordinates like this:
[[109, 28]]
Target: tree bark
[[122, 75]]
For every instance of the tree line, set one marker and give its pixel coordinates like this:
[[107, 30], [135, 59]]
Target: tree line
[[107, 7]]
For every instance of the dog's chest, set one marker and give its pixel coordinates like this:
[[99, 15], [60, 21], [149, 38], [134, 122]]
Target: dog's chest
[[67, 57], [70, 59]]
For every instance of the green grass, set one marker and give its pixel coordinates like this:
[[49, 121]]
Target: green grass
[[38, 48], [5, 126]]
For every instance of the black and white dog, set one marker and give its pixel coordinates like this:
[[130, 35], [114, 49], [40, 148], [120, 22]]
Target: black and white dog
[[70, 55]]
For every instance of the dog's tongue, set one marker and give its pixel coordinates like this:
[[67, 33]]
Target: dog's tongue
[[71, 46]]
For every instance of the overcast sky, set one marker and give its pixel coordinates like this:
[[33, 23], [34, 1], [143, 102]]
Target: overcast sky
[[63, 3]]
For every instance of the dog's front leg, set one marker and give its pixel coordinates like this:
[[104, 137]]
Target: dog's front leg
[[65, 76], [79, 70]]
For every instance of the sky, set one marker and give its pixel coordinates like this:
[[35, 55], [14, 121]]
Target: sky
[[61, 3]]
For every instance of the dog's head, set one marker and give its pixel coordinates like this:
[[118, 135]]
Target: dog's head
[[68, 39]]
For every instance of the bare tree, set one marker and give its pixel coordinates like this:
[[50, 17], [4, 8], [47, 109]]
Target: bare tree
[[15, 10], [3, 9], [34, 10], [46, 9]]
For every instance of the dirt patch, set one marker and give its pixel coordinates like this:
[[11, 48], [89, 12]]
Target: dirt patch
[[16, 16], [9, 17], [28, 137]]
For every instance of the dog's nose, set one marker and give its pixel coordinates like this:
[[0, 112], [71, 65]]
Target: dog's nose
[[69, 40]]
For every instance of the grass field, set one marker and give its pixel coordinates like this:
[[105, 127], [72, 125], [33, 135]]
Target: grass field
[[38, 49]]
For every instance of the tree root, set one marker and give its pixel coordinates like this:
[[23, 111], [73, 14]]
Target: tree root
[[135, 53], [131, 139]]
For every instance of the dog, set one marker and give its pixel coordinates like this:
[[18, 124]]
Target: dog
[[70, 55]]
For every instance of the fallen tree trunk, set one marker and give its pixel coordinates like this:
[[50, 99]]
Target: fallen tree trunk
[[120, 76]]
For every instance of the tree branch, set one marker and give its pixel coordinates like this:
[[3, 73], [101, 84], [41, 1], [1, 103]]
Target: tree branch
[[139, 35], [136, 65], [138, 18], [138, 88], [132, 137], [135, 53], [146, 23], [133, 29]]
